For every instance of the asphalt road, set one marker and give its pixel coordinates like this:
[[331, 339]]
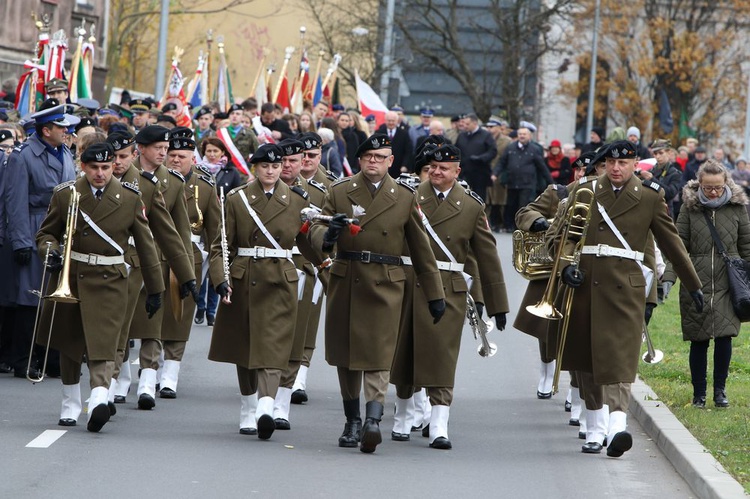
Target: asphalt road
[[506, 442]]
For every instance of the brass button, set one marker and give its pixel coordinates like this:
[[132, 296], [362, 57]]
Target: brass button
[[596, 283], [448, 238], [253, 283], [356, 280], [104, 276], [385, 232]]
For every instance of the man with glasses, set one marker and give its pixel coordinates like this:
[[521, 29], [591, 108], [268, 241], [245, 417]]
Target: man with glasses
[[367, 281]]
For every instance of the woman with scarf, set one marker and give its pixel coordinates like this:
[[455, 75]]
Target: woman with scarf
[[714, 194], [216, 161], [558, 164]]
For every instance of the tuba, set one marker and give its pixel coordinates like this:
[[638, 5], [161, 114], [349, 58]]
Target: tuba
[[531, 257]]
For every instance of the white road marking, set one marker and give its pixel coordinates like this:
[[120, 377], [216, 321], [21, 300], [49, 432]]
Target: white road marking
[[47, 438]]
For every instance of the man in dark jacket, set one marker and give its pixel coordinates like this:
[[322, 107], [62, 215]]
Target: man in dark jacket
[[665, 173], [478, 149], [691, 168], [402, 150], [279, 128], [519, 169]]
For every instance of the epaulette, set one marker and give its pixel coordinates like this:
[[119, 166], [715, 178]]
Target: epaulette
[[331, 176], [584, 180], [207, 180], [299, 190], [654, 185], [176, 174], [562, 191], [236, 190], [405, 184], [149, 176], [341, 181], [203, 169], [131, 187], [64, 185], [20, 147], [317, 185], [475, 196]]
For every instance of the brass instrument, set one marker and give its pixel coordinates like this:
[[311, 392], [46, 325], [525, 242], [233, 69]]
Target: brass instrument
[[480, 328], [531, 257], [652, 355], [224, 243], [197, 227], [62, 293]]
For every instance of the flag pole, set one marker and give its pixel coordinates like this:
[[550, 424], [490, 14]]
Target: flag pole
[[302, 31], [260, 69], [331, 69], [209, 40], [289, 51], [314, 80]]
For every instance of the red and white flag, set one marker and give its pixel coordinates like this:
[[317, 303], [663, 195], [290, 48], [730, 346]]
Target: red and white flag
[[369, 101], [237, 159]]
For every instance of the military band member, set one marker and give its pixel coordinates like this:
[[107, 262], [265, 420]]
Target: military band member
[[109, 213], [204, 213], [33, 170], [609, 303], [152, 143], [255, 322], [319, 180], [427, 353], [367, 280]]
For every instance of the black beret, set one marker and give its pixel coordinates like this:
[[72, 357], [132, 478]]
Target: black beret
[[181, 132], [165, 118], [445, 153], [233, 108], [311, 140], [267, 153], [120, 139], [85, 121], [202, 112], [421, 157], [622, 149], [151, 134], [180, 144], [100, 152], [169, 106], [432, 140], [5, 135], [290, 147], [584, 160], [375, 141]]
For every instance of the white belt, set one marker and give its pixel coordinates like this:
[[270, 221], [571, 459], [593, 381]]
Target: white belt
[[94, 259], [450, 266], [261, 252], [296, 251], [606, 250], [196, 238]]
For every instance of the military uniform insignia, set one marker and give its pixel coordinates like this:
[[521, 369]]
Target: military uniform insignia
[[341, 181], [407, 185], [131, 187], [615, 153], [149, 176], [176, 174], [299, 190], [475, 196], [317, 185], [64, 185], [272, 156], [203, 169], [331, 176], [655, 186], [207, 180], [438, 156], [308, 144]]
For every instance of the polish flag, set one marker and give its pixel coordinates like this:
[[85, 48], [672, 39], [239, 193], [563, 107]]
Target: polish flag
[[369, 101]]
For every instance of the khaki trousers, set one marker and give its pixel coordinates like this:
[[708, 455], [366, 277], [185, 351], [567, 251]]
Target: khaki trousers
[[263, 381], [376, 384]]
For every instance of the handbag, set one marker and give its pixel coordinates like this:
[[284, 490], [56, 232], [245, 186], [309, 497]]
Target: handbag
[[737, 271]]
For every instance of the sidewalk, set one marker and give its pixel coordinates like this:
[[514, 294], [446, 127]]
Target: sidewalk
[[704, 474]]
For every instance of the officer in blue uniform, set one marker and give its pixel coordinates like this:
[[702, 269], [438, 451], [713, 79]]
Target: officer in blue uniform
[[33, 169]]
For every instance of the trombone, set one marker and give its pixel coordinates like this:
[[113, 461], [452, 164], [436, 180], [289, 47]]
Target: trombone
[[62, 293]]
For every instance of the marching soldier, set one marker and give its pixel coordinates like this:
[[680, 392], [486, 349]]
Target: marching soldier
[[319, 181], [108, 214], [609, 304], [427, 353], [33, 170], [152, 143], [367, 280], [255, 322], [205, 216]]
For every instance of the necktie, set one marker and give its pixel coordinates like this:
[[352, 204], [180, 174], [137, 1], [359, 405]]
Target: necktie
[[617, 192], [441, 197], [98, 194], [390, 133], [269, 194], [371, 187]]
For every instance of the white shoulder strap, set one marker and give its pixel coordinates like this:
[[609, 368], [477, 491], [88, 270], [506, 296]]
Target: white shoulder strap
[[101, 233], [441, 245]]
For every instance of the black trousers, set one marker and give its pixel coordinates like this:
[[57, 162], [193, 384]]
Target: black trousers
[[699, 363], [517, 199], [23, 332]]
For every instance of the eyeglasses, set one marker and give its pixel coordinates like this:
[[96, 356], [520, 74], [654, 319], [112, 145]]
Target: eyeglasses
[[712, 188], [312, 155], [6, 149], [378, 158]]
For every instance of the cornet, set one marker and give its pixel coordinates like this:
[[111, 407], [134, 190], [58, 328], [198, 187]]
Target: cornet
[[480, 328]]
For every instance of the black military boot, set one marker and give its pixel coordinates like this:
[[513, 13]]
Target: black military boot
[[353, 425], [720, 398], [371, 436]]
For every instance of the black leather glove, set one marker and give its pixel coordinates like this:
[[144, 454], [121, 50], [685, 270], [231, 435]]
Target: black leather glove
[[437, 309], [153, 304], [335, 226], [540, 225], [649, 310], [666, 286], [223, 289], [572, 276], [22, 256], [697, 297], [188, 288], [500, 321], [54, 261], [480, 309]]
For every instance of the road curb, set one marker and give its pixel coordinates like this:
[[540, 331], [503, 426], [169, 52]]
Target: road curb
[[705, 475]]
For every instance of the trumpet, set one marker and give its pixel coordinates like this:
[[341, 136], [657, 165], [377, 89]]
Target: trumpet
[[224, 243], [480, 328], [310, 215]]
